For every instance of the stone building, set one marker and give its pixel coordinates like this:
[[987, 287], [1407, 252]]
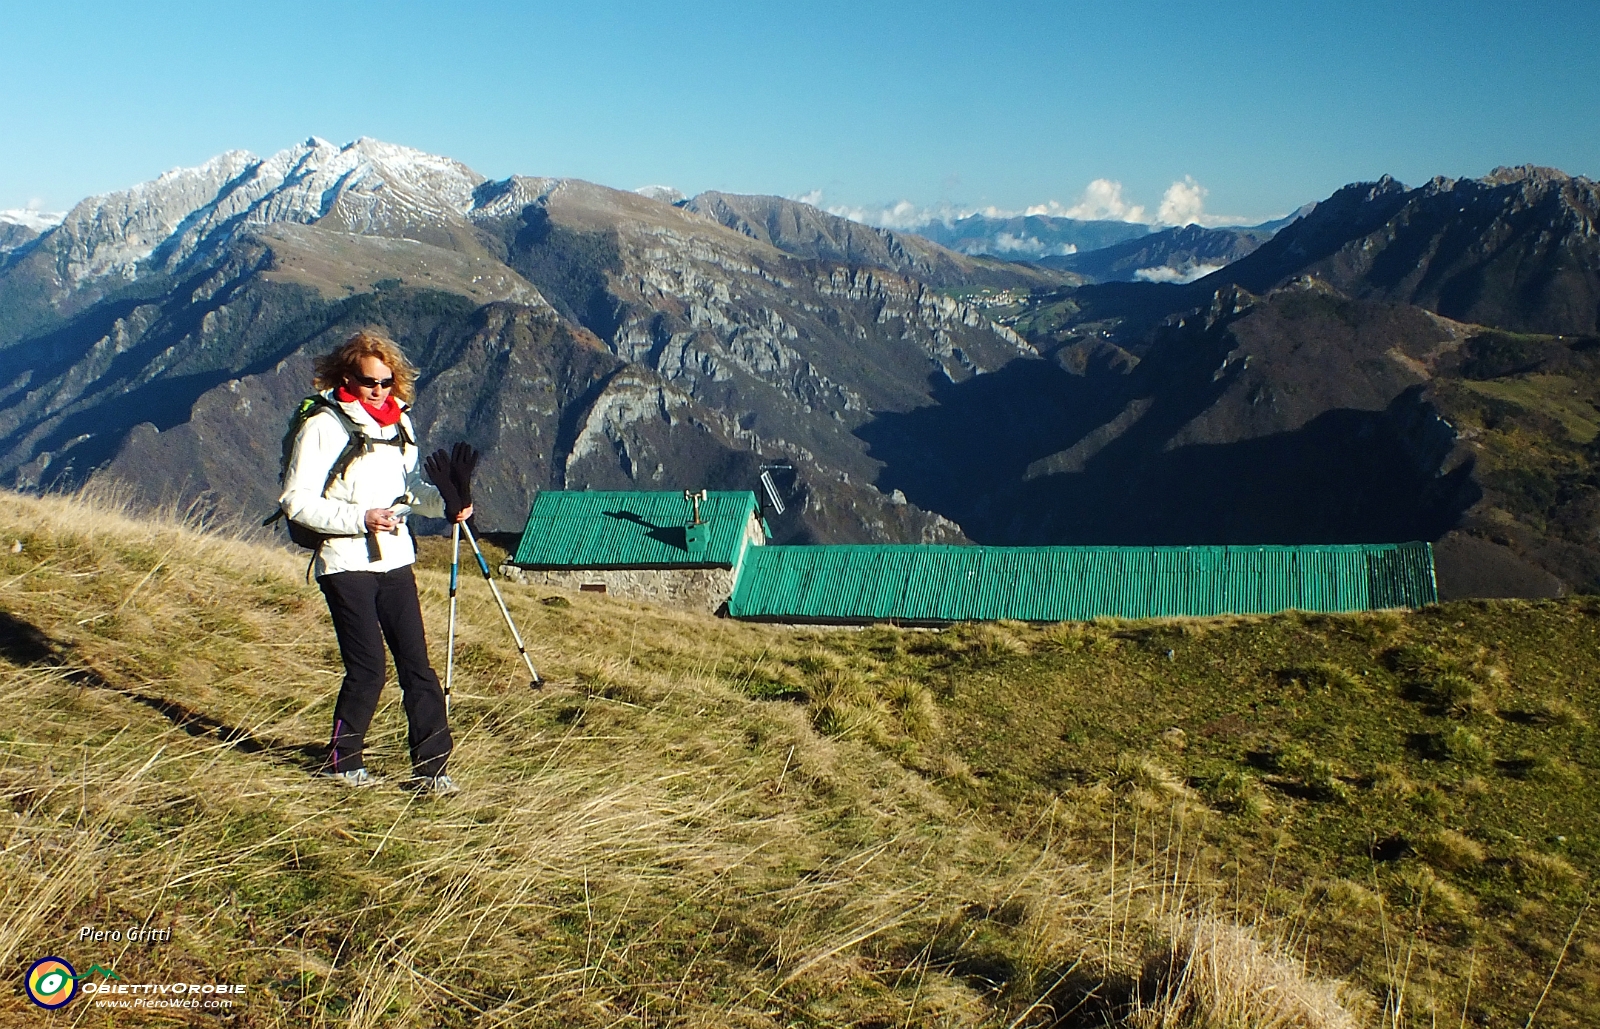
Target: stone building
[[657, 547]]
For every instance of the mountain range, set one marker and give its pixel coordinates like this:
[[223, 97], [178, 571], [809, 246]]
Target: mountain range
[[808, 232], [585, 336], [1396, 363], [1181, 254], [1104, 250], [1029, 237], [1392, 363]]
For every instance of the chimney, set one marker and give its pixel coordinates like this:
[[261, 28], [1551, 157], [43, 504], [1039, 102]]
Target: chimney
[[695, 531]]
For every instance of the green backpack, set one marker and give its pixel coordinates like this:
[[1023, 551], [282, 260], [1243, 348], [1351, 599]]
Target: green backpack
[[359, 443]]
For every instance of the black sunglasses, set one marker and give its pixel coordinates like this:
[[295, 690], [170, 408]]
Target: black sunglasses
[[371, 383]]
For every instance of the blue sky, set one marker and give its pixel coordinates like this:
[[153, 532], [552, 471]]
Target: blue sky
[[1262, 106]]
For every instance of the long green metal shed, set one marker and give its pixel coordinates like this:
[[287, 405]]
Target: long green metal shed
[[932, 585]]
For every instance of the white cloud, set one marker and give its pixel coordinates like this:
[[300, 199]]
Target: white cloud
[[1101, 201], [905, 215], [902, 215], [1007, 243], [1184, 204], [1180, 274]]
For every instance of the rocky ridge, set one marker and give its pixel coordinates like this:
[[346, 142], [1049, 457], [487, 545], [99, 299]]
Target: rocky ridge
[[162, 316], [1170, 255], [1517, 249], [805, 231]]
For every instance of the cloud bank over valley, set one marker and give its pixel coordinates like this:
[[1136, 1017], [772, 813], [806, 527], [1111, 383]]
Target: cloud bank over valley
[[1103, 199]]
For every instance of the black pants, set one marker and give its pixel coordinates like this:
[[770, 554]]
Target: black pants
[[369, 608]]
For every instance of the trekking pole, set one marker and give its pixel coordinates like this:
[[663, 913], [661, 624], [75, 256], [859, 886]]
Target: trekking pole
[[484, 565], [450, 649]]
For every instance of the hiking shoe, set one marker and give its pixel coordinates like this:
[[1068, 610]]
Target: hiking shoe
[[353, 777], [434, 785]]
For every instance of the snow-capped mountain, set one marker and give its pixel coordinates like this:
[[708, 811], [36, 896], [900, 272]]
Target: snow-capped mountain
[[38, 221], [371, 189], [22, 225], [367, 187]]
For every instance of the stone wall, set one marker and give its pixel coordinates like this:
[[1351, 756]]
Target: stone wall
[[698, 589]]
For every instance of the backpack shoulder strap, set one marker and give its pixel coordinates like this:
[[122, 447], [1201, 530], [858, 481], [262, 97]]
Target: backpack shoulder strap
[[358, 443], [320, 402]]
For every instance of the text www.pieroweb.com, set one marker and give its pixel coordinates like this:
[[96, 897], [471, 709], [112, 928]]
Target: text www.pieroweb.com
[[164, 995], [166, 1002]]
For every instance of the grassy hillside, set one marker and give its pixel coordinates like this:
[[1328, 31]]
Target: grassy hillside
[[1410, 799], [1527, 407], [707, 823]]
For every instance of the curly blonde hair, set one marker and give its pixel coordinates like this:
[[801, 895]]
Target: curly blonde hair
[[345, 363]]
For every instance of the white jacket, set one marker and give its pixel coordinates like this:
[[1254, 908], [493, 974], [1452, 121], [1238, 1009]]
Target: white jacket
[[373, 479]]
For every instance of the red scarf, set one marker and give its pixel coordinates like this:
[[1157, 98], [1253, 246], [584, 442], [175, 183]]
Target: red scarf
[[384, 414]]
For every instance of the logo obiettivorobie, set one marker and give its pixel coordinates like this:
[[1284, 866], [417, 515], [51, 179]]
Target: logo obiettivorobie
[[51, 982]]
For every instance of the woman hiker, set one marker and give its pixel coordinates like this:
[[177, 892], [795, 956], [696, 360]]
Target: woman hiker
[[364, 563]]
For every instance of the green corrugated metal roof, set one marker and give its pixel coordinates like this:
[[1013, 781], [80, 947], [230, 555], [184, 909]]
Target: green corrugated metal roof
[[601, 529], [931, 584]]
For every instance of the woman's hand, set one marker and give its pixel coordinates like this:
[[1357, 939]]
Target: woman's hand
[[464, 514], [381, 519]]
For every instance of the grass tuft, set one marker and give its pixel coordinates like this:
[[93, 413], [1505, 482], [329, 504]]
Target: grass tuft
[[1216, 974], [1450, 851], [915, 708], [1467, 748], [1317, 777], [1558, 711], [1544, 875]]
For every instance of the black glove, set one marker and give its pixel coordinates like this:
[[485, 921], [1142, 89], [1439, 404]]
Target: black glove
[[463, 459], [439, 469]]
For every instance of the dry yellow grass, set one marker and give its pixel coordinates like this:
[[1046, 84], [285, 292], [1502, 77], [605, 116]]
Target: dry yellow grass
[[1217, 974], [641, 843]]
